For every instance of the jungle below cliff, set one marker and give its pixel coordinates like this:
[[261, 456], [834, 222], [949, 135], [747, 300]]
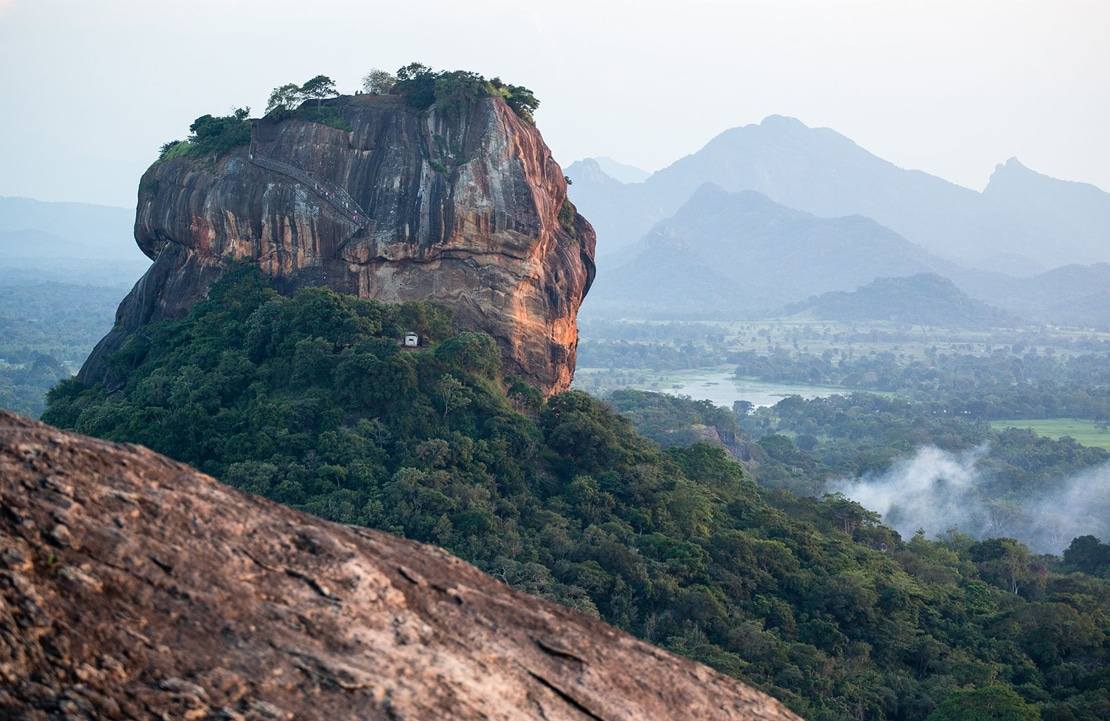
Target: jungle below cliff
[[311, 400]]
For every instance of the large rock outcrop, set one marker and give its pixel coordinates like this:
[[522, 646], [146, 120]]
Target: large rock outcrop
[[467, 210], [132, 586]]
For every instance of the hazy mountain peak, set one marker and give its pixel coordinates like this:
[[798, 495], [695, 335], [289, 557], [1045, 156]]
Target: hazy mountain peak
[[1014, 171], [816, 139], [622, 172], [711, 198], [1011, 164], [1009, 172], [588, 170], [789, 162], [707, 190], [783, 122], [605, 170], [1068, 220]]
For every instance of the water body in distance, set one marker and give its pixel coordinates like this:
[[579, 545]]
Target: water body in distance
[[717, 385]]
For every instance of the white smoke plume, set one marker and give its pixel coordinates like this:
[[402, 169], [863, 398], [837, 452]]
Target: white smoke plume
[[937, 490]]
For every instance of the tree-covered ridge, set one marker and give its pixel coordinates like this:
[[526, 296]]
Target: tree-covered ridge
[[921, 299], [312, 400]]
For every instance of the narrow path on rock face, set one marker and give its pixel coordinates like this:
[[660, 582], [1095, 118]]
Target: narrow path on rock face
[[337, 197]]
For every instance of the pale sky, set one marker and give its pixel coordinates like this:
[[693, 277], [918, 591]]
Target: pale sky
[[92, 88]]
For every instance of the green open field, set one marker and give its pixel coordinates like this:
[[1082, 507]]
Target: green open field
[[1085, 432]]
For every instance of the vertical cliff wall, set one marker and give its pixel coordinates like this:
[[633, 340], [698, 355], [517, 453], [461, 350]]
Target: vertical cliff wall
[[466, 210]]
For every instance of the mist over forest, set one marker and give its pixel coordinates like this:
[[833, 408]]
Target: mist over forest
[[936, 491]]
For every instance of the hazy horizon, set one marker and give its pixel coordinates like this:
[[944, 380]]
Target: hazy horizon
[[949, 89], [604, 161]]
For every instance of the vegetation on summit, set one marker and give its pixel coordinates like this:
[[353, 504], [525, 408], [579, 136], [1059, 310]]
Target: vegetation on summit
[[312, 400], [286, 98], [211, 136], [450, 92]]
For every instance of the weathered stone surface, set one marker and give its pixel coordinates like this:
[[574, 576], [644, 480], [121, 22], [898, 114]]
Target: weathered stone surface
[[169, 595], [462, 210]]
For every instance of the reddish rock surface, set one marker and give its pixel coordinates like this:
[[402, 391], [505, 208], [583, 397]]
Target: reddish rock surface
[[404, 206], [132, 586]]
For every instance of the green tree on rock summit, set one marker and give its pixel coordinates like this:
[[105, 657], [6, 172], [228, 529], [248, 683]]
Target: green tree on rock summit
[[319, 88], [378, 82], [284, 99]]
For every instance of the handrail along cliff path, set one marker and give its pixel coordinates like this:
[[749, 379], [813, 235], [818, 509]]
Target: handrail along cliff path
[[335, 196]]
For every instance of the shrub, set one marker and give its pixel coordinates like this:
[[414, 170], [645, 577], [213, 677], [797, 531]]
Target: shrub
[[211, 136], [567, 215]]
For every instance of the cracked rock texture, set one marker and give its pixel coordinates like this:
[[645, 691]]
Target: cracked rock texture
[[467, 210], [132, 586]]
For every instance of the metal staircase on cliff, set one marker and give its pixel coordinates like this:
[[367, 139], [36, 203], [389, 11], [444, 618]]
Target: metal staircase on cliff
[[336, 197]]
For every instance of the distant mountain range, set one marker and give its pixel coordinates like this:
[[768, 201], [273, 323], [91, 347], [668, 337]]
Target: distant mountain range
[[742, 255], [32, 228], [1071, 295], [778, 213], [68, 242], [1023, 223]]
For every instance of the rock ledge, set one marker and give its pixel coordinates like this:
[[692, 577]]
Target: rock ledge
[[132, 586]]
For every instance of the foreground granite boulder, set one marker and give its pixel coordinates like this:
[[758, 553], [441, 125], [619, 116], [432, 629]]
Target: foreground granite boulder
[[132, 586], [467, 209]]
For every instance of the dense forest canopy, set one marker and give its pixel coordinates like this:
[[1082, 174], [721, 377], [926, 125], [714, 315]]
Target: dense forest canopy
[[312, 400]]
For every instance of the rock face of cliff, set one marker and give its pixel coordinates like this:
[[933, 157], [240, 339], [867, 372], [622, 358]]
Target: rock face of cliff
[[132, 586], [466, 210]]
